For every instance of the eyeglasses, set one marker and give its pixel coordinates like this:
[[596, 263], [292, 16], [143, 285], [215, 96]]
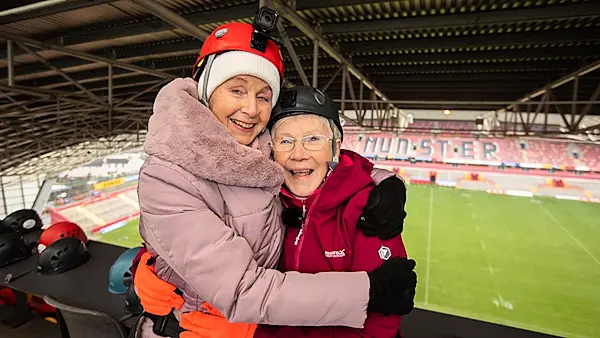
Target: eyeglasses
[[310, 142]]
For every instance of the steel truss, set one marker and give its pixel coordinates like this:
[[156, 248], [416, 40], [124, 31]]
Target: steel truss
[[384, 110], [50, 130], [86, 118], [541, 101]]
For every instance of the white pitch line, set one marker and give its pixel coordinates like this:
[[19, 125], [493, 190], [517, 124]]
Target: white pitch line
[[570, 235], [429, 246]]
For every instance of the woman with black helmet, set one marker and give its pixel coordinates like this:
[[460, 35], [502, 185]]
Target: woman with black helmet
[[325, 192]]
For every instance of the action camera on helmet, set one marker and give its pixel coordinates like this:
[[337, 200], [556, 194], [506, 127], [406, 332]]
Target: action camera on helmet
[[264, 24], [266, 20]]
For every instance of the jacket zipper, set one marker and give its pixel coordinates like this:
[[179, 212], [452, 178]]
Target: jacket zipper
[[300, 238], [302, 227]]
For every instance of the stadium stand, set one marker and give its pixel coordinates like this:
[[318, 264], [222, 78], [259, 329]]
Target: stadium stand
[[548, 152], [591, 154], [94, 214], [113, 203], [493, 151]]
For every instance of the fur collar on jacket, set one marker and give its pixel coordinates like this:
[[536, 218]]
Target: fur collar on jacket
[[185, 132]]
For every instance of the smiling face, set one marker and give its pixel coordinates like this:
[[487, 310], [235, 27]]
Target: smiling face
[[305, 169], [243, 105]]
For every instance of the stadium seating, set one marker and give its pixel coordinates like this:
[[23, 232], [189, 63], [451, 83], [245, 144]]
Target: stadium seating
[[548, 152], [591, 155], [93, 214], [471, 148]]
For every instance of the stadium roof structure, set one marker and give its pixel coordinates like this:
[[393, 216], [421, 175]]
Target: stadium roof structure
[[78, 77]]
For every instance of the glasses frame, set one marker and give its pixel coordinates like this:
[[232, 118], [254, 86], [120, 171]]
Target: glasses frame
[[327, 140]]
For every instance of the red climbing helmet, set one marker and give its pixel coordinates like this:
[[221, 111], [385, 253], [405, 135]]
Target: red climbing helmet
[[60, 230], [241, 36]]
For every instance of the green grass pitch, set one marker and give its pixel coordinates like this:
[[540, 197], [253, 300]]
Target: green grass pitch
[[532, 263], [127, 235]]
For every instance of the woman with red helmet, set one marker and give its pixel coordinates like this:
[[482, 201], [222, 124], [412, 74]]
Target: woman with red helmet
[[209, 211]]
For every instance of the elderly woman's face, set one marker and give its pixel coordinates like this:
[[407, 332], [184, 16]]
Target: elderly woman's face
[[243, 105], [305, 169]]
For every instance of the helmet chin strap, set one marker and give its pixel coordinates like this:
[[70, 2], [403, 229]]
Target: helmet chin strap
[[209, 62], [336, 159]]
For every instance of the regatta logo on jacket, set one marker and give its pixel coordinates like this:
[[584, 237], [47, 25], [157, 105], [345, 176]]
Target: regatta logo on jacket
[[384, 252], [335, 254]]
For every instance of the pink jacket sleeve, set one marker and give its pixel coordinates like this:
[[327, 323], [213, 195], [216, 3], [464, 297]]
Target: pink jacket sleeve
[[379, 175], [219, 266]]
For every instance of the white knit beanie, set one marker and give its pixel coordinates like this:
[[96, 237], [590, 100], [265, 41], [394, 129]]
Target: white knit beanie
[[231, 64]]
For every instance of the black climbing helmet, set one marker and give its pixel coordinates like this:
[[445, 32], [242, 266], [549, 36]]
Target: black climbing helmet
[[21, 221], [133, 304], [302, 100], [12, 248], [62, 255]]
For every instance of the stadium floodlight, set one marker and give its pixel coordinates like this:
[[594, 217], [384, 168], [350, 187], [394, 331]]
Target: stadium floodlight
[[447, 112]]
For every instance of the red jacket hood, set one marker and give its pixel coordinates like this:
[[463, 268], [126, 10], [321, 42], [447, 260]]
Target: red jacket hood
[[351, 175]]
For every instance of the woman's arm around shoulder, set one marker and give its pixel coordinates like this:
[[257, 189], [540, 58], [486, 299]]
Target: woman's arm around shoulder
[[220, 267], [383, 215]]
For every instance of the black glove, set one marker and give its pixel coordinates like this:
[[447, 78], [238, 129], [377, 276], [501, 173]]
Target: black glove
[[393, 287], [292, 217], [384, 213]]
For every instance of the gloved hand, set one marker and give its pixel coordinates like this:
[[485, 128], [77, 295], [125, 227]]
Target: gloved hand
[[212, 325], [393, 286], [157, 296], [384, 214]]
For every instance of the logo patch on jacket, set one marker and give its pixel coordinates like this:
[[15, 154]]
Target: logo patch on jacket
[[385, 253], [335, 254]]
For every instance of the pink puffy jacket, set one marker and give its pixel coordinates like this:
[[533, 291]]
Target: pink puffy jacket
[[210, 212]]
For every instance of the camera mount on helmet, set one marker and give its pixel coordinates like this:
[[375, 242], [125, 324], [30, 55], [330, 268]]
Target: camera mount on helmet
[[265, 22]]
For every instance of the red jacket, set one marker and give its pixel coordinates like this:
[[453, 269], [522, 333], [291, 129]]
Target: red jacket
[[330, 241]]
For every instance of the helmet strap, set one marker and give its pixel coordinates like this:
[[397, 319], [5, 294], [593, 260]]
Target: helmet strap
[[333, 142], [207, 68], [336, 159]]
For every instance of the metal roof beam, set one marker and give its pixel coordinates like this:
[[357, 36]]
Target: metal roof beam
[[305, 27], [53, 81], [563, 80], [508, 69], [391, 86], [4, 33], [86, 77], [469, 100], [467, 66], [312, 4], [173, 18], [479, 66], [45, 8], [576, 52], [117, 30], [504, 17], [568, 36], [132, 54], [528, 77]]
